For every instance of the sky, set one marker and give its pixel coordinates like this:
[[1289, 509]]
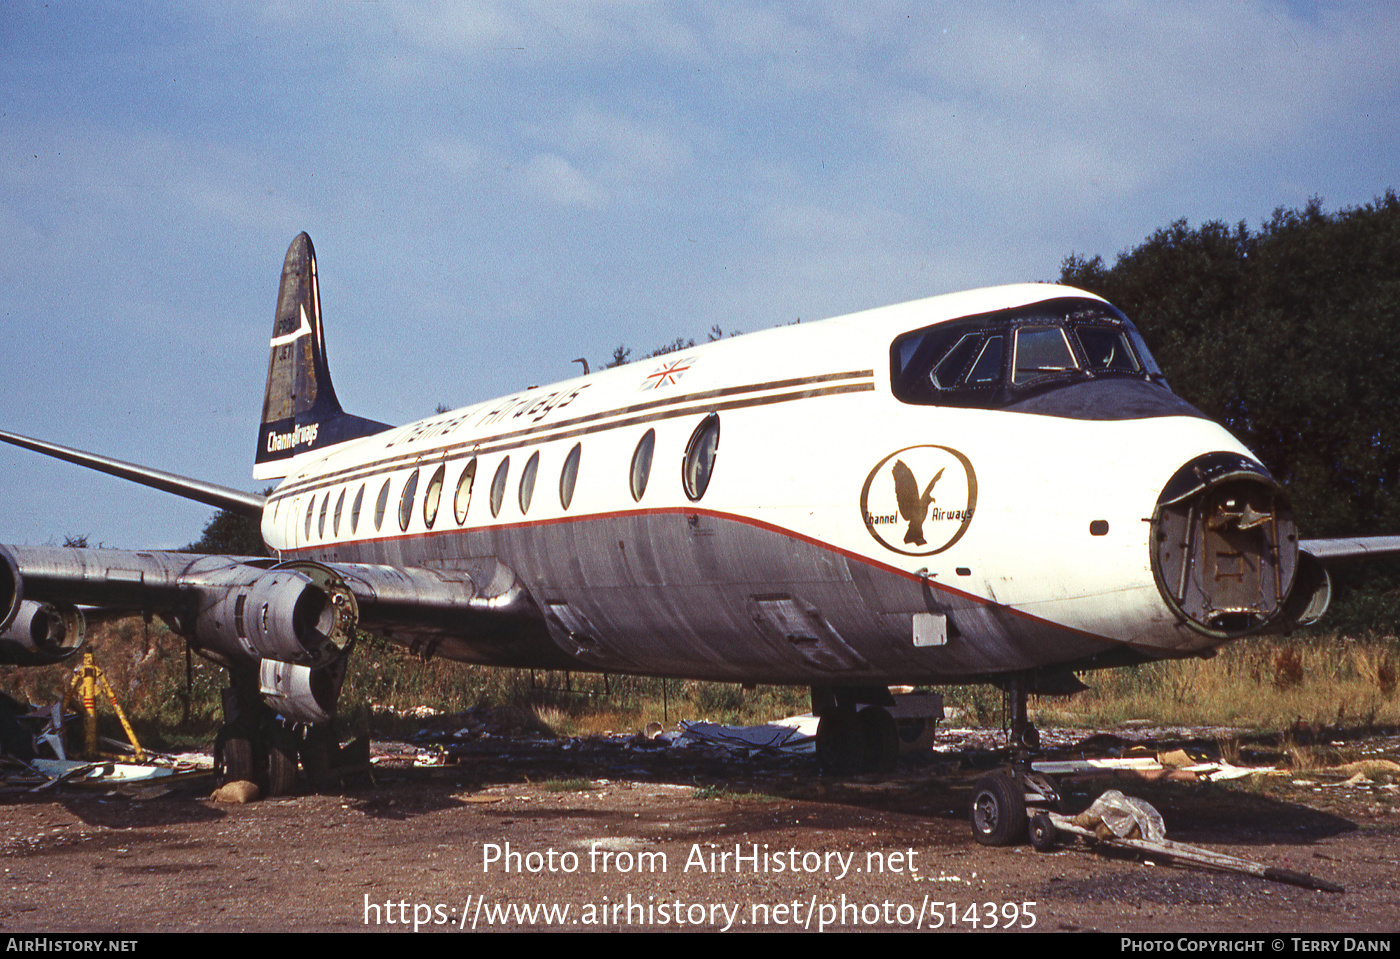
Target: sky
[[496, 188]]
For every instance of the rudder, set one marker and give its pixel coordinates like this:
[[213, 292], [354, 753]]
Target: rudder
[[301, 416]]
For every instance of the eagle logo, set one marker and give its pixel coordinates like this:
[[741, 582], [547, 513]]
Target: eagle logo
[[916, 518], [913, 505]]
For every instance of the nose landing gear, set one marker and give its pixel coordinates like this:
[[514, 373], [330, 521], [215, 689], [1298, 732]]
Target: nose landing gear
[[1003, 801]]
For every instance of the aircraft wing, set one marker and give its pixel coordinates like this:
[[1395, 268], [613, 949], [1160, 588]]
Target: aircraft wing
[[244, 611], [1359, 547], [212, 494]]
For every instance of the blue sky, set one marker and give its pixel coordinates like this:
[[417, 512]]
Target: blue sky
[[497, 188]]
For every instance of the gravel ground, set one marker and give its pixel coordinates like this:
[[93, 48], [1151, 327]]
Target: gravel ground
[[515, 833]]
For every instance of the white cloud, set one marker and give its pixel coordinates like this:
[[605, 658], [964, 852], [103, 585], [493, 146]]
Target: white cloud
[[556, 180], [624, 151]]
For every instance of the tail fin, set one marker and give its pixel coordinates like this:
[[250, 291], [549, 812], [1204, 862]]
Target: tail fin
[[301, 416]]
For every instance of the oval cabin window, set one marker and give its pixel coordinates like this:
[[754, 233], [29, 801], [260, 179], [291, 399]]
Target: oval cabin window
[[569, 477], [406, 501], [380, 505], [641, 464], [464, 491], [700, 457], [527, 482], [498, 486], [433, 496]]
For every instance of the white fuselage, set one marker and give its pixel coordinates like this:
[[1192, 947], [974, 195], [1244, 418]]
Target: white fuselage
[[1032, 538]]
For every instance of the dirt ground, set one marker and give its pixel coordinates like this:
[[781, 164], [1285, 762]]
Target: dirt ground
[[607, 834]]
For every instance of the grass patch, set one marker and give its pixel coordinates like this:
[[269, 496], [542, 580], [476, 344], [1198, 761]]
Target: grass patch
[[388, 692], [730, 795], [1258, 684], [567, 785], [1266, 683]]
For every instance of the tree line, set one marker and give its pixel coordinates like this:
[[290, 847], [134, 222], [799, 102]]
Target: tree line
[[1289, 335]]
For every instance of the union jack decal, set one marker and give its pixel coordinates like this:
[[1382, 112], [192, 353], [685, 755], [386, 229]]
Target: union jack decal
[[667, 374]]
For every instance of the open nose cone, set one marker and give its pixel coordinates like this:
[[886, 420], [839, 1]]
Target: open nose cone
[[1224, 545]]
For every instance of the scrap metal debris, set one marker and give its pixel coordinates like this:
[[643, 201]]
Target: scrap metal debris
[[34, 755], [796, 735], [1116, 820]]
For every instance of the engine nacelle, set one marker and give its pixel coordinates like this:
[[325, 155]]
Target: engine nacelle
[[1312, 593], [40, 634], [298, 613], [11, 588], [298, 693]]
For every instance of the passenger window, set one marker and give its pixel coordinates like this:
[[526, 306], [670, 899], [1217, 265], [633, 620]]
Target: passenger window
[[380, 506], [355, 509], [1041, 351], [464, 491], [527, 482], [498, 486], [433, 496], [310, 511], [641, 464], [339, 506], [700, 457], [406, 501], [321, 523], [569, 476]]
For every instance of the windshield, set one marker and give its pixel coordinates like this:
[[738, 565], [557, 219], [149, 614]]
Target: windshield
[[996, 359]]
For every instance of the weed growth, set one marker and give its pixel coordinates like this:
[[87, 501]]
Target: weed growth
[[1254, 684]]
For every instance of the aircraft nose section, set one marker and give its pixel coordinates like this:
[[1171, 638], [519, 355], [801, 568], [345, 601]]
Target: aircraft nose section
[[1224, 545]]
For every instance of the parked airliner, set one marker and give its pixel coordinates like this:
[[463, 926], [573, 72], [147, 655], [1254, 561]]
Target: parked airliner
[[996, 485]]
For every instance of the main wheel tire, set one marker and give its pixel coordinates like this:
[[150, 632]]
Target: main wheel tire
[[233, 757], [1043, 833], [880, 737], [840, 743], [997, 811], [282, 763]]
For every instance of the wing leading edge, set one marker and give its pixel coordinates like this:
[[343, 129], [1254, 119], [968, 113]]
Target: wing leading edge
[[1357, 547], [212, 494]]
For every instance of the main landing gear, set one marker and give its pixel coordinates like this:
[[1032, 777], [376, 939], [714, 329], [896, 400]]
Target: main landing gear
[[1003, 801], [256, 745], [856, 733]]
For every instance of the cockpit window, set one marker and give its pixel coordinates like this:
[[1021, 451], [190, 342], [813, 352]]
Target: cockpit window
[[996, 359], [949, 370], [1107, 349], [987, 370], [1041, 351]]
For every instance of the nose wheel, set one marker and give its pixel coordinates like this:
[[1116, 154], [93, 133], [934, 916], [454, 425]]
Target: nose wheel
[[998, 810], [1003, 801]]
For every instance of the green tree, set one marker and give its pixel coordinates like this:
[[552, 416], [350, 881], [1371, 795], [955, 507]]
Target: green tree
[[1290, 337], [230, 534]]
